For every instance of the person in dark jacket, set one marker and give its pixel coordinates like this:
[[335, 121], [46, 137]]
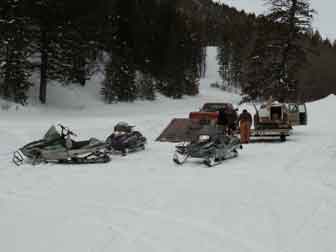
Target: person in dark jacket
[[232, 122], [245, 122], [222, 119]]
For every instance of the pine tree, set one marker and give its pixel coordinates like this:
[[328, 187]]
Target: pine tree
[[230, 64], [184, 57], [258, 80], [119, 83], [77, 43], [145, 86], [76, 57], [234, 49], [316, 39], [120, 70], [294, 18], [279, 51], [15, 69], [47, 17], [108, 91], [224, 55]]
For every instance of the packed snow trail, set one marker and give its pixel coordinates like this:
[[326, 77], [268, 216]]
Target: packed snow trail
[[274, 197]]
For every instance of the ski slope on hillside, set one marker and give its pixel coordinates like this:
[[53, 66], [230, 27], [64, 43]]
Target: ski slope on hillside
[[274, 197]]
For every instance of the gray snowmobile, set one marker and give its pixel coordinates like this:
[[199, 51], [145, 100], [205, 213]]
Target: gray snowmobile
[[210, 145], [61, 148]]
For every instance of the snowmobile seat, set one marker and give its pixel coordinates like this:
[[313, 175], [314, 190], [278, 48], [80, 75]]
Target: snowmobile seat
[[221, 139], [85, 144]]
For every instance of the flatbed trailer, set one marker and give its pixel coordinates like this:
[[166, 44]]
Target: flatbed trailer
[[185, 129]]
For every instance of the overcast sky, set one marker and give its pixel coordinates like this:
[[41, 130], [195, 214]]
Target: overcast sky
[[324, 21]]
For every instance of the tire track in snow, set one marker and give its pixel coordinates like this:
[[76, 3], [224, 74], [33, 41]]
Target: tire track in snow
[[202, 228], [308, 225], [130, 239]]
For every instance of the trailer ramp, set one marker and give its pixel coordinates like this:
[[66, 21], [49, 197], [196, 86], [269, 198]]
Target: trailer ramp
[[180, 130]]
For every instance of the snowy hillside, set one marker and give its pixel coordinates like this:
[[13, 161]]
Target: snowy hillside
[[274, 197]]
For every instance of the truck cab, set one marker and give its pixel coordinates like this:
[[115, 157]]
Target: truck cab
[[208, 114]]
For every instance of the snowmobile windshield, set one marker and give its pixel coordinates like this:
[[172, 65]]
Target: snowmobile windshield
[[52, 134], [123, 127]]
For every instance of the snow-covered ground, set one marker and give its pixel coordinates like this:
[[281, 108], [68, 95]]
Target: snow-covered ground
[[275, 197]]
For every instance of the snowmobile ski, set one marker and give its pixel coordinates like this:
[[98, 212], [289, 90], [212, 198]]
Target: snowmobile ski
[[18, 158]]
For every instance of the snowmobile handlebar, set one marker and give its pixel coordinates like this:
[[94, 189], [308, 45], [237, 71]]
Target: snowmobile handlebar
[[66, 131]]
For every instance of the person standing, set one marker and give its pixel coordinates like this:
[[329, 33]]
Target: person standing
[[222, 120], [245, 122], [232, 122]]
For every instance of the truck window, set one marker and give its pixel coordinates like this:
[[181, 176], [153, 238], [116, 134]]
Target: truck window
[[302, 109], [293, 108]]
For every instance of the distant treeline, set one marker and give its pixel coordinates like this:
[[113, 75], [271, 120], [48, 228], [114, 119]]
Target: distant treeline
[[245, 44], [142, 46]]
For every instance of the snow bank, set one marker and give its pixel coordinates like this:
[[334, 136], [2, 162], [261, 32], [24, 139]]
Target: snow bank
[[326, 101], [9, 106], [71, 96]]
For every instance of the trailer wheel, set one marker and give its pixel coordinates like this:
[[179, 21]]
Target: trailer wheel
[[283, 138]]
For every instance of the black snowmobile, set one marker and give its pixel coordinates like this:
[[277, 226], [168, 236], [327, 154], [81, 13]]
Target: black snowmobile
[[60, 148], [125, 140], [210, 145]]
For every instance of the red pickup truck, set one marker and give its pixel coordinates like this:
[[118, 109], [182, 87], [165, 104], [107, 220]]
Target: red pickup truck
[[209, 113]]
